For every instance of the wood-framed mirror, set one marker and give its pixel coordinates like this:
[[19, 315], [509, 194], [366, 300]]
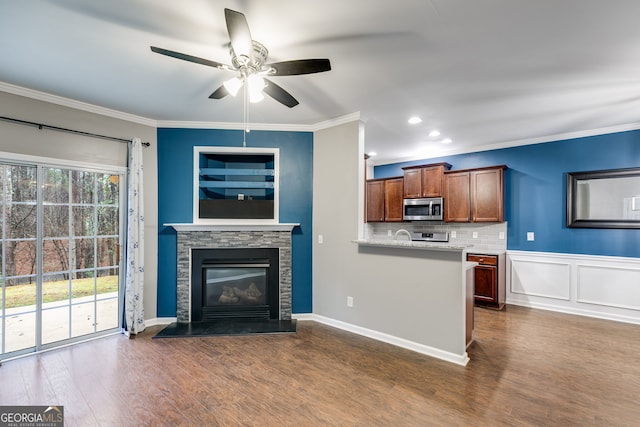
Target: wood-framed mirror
[[604, 199]]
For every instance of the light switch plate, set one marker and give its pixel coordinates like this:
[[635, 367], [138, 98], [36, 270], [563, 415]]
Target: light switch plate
[[475, 235], [531, 236], [501, 235], [453, 234], [320, 239]]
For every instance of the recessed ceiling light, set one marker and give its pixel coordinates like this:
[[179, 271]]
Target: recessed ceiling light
[[415, 120], [372, 153], [446, 141], [434, 132]]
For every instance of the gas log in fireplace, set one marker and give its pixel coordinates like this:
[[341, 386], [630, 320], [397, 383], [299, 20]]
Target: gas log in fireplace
[[238, 283]]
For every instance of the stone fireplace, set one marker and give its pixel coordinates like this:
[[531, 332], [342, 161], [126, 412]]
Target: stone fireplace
[[204, 241]]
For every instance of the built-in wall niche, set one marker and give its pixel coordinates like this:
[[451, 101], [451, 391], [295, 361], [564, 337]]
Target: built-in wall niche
[[235, 185]]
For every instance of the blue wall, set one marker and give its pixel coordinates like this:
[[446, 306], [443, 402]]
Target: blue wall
[[175, 204], [536, 195]]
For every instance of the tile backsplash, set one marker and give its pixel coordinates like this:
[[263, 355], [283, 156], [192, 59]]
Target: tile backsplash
[[488, 234]]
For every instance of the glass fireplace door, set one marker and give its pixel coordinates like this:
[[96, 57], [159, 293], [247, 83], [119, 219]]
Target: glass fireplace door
[[235, 289]]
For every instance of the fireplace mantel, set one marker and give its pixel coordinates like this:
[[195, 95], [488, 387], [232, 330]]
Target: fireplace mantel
[[252, 226]]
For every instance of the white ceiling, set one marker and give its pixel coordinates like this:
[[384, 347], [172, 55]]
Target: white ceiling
[[486, 73]]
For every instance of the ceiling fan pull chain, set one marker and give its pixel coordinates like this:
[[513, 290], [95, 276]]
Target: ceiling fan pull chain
[[245, 129]]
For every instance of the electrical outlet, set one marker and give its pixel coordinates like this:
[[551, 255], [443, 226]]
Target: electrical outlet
[[453, 234], [474, 235], [501, 235], [349, 301], [389, 233], [320, 239], [531, 236]]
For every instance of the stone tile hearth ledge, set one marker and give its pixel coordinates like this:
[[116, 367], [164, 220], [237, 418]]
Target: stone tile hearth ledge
[[236, 226]]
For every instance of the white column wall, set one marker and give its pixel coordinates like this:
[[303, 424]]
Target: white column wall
[[412, 298]]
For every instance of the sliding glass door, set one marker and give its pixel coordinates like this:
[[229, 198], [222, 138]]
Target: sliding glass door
[[19, 241], [61, 235]]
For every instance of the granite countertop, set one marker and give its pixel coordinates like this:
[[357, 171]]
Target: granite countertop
[[471, 250], [407, 244]]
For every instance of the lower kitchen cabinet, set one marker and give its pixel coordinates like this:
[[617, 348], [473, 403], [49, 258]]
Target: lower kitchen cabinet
[[489, 278]]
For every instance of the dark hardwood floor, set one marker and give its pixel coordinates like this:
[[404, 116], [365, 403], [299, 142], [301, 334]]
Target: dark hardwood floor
[[528, 367]]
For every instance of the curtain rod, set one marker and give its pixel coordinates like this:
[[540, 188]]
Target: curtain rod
[[61, 129]]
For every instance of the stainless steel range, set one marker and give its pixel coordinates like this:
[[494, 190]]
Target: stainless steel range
[[435, 236]]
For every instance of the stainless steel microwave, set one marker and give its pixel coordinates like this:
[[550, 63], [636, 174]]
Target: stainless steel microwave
[[427, 209]]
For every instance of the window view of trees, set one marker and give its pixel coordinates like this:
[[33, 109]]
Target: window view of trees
[[60, 246]]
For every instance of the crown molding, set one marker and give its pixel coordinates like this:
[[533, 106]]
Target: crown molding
[[233, 126], [72, 103], [348, 118], [517, 143], [90, 108], [260, 126]]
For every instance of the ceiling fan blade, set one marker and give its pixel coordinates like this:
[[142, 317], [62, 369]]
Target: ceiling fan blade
[[300, 66], [189, 58], [239, 34], [219, 93], [279, 94]]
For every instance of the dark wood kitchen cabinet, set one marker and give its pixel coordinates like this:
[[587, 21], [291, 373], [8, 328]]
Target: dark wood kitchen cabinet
[[384, 199], [375, 200], [457, 202], [489, 279], [425, 180], [474, 195]]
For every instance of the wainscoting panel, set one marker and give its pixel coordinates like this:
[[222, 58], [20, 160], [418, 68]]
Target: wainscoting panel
[[540, 278], [587, 285], [609, 286]]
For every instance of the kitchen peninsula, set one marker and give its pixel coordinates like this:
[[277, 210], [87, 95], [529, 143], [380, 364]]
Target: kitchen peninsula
[[429, 294]]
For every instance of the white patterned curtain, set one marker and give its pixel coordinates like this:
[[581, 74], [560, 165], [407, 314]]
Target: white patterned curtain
[[134, 282]]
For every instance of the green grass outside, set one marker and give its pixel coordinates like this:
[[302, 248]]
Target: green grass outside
[[21, 295]]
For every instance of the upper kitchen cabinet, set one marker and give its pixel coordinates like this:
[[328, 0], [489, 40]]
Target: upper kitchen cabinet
[[474, 195], [425, 180], [457, 200], [384, 200], [375, 200]]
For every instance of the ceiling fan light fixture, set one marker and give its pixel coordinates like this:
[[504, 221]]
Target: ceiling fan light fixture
[[255, 84], [255, 97], [233, 85]]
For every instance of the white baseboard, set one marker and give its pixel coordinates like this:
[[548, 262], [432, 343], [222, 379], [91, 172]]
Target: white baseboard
[[303, 316], [575, 311], [159, 321], [389, 339]]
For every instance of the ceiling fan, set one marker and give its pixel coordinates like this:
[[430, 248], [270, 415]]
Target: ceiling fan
[[249, 61]]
